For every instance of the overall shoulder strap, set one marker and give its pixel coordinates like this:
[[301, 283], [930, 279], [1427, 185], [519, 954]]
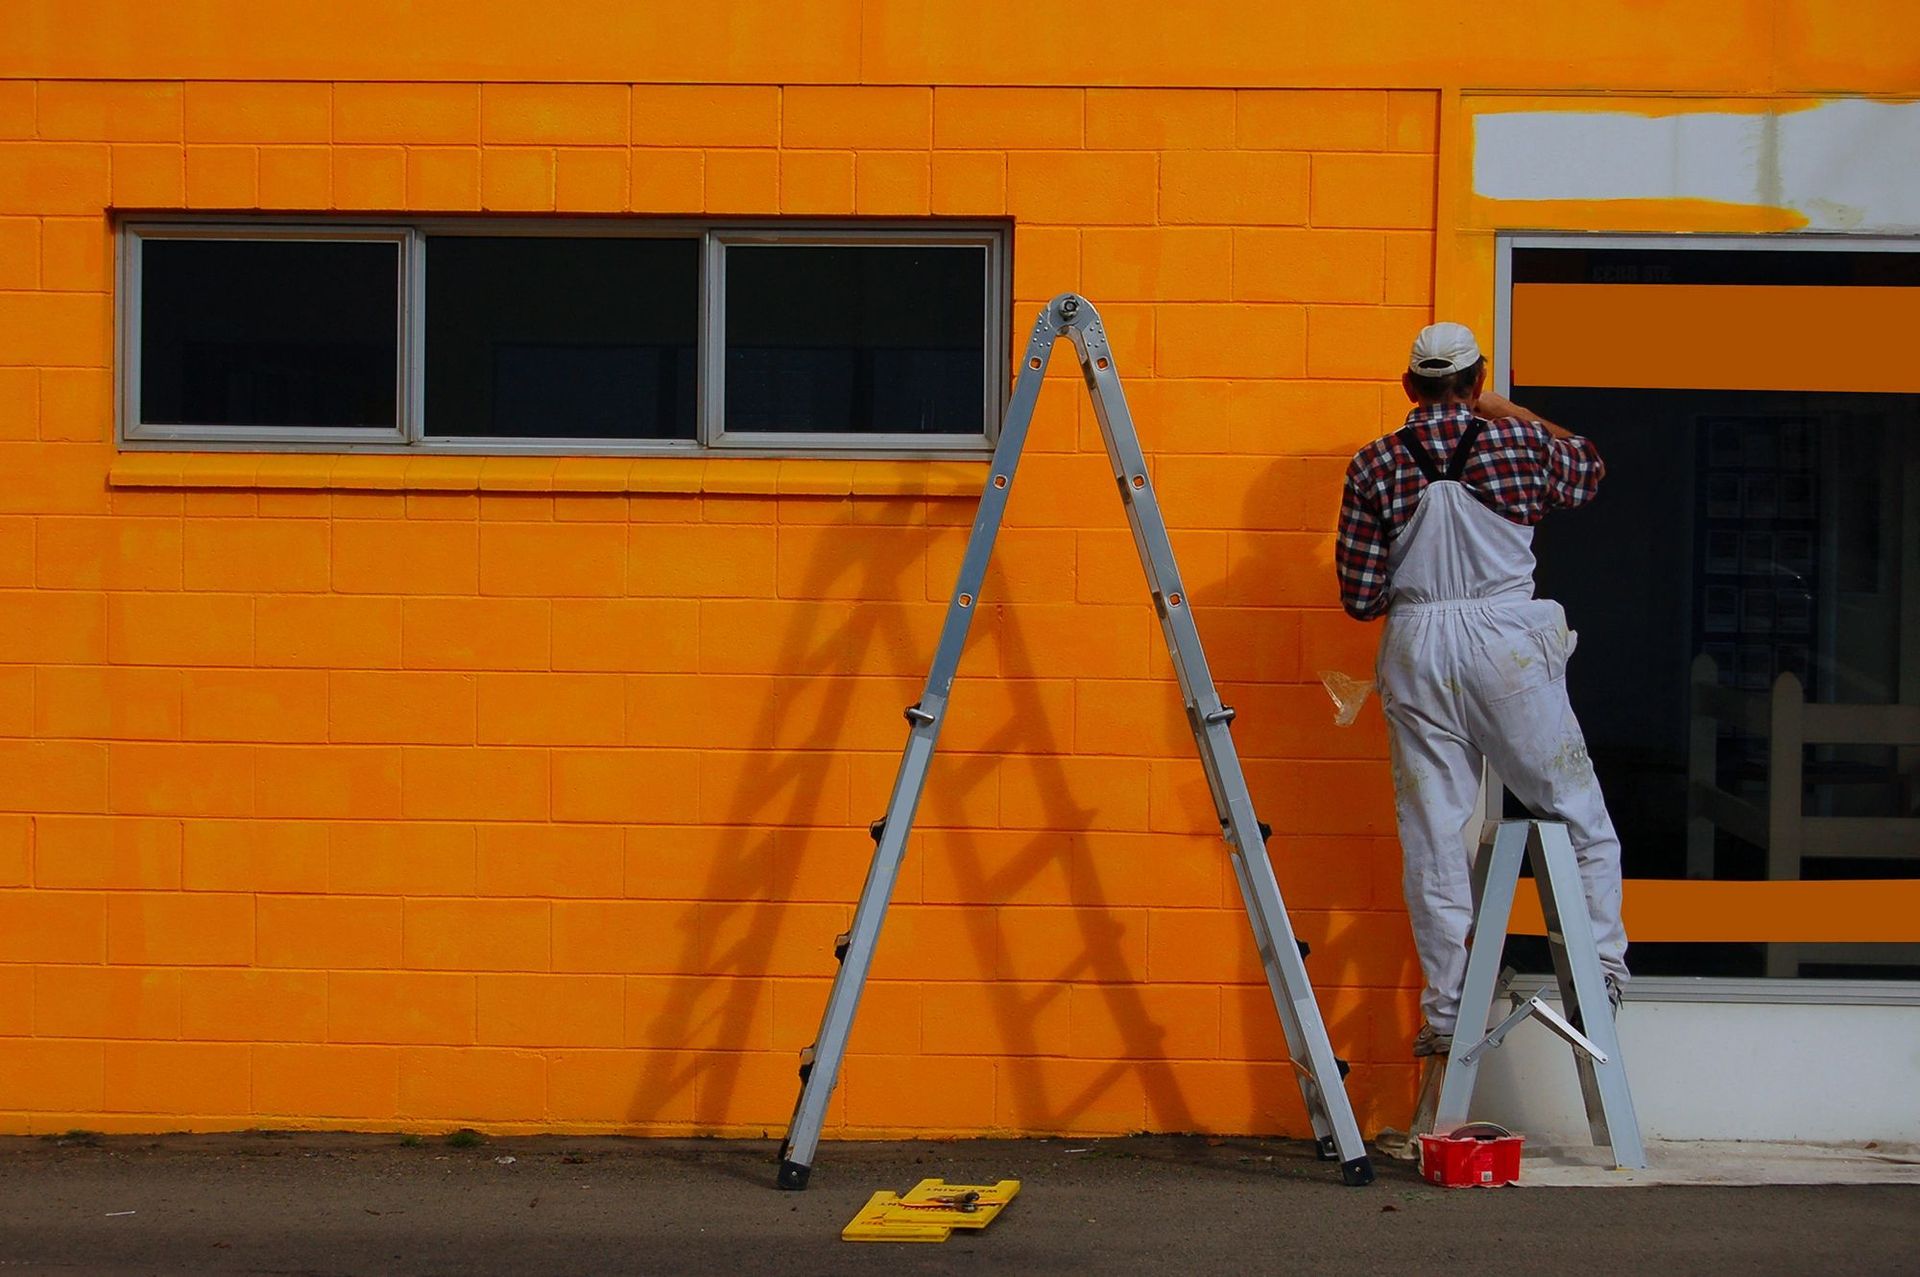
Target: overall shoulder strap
[[1418, 451], [1463, 451]]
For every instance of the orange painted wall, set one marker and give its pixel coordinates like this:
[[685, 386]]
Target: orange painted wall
[[346, 802], [530, 794]]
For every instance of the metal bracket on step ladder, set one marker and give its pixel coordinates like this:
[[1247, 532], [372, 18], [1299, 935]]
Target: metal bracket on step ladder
[[1281, 953], [1576, 964]]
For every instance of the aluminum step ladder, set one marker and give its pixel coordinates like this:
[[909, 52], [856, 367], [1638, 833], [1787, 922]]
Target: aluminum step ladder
[[1504, 845], [1283, 956]]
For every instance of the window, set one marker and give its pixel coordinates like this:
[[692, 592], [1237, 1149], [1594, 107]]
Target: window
[[279, 336], [564, 336], [854, 339], [1747, 585]]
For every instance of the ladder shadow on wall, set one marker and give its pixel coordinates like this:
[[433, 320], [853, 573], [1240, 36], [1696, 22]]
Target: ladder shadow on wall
[[710, 1044], [719, 1011]]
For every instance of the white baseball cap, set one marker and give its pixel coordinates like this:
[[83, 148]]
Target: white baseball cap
[[1443, 348]]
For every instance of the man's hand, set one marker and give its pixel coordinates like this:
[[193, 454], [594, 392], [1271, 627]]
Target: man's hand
[[1491, 405]]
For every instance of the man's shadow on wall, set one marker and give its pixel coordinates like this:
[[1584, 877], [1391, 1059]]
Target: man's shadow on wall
[[1363, 967]]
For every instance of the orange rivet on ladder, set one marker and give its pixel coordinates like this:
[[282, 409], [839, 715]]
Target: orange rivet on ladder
[[966, 600], [999, 481], [1173, 599], [1101, 363], [1139, 481], [1034, 362]]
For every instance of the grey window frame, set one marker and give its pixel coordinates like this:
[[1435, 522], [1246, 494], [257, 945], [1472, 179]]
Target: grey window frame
[[713, 237], [131, 238], [714, 354]]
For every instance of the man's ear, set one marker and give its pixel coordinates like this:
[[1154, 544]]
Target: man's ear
[[1480, 382], [1406, 384]]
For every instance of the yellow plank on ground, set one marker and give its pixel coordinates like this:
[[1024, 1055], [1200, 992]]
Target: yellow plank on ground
[[875, 1224], [929, 1211]]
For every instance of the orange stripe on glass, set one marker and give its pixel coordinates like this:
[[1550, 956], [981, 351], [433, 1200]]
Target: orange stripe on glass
[[1716, 337], [1685, 911]]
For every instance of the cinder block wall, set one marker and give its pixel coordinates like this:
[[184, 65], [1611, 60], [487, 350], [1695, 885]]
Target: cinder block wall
[[376, 792]]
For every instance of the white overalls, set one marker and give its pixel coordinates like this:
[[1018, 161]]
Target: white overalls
[[1472, 667]]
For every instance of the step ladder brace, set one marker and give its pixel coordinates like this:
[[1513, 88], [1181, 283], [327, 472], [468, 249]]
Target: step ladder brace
[[1282, 955], [1544, 844]]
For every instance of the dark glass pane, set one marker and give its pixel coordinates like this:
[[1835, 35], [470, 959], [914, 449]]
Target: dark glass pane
[[562, 338], [1778, 534], [870, 339], [268, 332]]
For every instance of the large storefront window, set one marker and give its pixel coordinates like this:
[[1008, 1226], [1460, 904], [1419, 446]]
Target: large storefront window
[[1747, 589]]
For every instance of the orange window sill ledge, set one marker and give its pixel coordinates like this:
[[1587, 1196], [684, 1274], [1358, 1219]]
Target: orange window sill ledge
[[732, 476]]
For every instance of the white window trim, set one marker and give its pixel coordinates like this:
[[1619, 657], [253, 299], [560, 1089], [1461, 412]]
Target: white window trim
[[712, 439]]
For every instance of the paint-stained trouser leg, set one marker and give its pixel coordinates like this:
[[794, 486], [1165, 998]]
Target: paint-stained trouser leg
[[1521, 715], [1436, 779]]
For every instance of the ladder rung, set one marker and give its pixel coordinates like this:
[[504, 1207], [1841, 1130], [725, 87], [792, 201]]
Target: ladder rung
[[840, 945]]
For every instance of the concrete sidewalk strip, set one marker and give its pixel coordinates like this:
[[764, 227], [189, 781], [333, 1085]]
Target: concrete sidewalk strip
[[1728, 1163]]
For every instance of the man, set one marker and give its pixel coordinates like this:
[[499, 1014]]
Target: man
[[1436, 534]]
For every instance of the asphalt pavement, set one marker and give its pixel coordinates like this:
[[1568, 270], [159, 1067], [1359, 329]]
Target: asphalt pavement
[[349, 1204]]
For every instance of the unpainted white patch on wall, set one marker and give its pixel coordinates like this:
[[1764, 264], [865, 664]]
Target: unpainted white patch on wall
[[1846, 165]]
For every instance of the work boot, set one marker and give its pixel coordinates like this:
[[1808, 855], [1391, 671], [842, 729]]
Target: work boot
[[1430, 1042]]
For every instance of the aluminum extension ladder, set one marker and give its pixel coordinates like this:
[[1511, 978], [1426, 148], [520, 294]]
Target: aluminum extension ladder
[[1576, 966], [1321, 1074]]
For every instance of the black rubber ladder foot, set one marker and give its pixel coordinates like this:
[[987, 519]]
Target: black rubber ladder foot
[[793, 1176], [1326, 1150], [1358, 1173]]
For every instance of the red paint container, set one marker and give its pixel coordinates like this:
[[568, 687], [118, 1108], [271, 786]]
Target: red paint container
[[1478, 1155]]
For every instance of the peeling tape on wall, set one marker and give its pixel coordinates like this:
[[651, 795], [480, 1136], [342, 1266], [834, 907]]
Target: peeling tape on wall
[[1843, 166]]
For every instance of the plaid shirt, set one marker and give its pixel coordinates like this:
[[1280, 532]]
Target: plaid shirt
[[1517, 470]]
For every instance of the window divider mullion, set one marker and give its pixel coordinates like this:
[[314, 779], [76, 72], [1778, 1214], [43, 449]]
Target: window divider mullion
[[711, 357], [413, 301]]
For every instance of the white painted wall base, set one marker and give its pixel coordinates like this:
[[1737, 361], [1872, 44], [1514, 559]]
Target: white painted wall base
[[1821, 1061]]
